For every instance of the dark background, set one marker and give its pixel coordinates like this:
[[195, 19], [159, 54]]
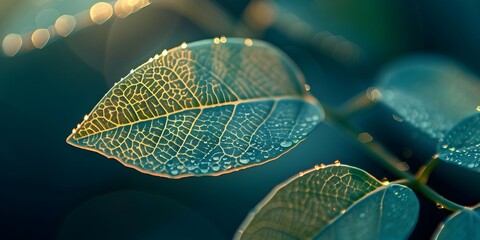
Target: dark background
[[52, 190]]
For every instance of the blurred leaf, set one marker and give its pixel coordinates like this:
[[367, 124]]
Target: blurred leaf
[[206, 109], [461, 225], [461, 144], [333, 202], [431, 93]]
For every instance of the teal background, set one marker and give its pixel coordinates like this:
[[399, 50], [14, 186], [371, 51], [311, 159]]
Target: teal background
[[52, 190]]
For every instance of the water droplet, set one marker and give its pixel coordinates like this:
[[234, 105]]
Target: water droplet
[[337, 163], [265, 156], [301, 173], [174, 172], [471, 165], [223, 39], [184, 45], [362, 215], [452, 149], [385, 181], [248, 42], [322, 165], [216, 40], [286, 143], [317, 167], [343, 211], [439, 206], [307, 87], [131, 71], [244, 160], [295, 141], [216, 158], [215, 167]]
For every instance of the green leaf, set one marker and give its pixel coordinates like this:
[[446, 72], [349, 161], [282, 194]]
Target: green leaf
[[333, 202], [429, 92], [461, 144], [206, 108], [461, 225]]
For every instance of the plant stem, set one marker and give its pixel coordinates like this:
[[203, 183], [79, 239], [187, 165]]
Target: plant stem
[[424, 173], [360, 102], [389, 161]]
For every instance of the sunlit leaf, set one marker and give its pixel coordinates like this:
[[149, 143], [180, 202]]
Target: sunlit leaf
[[333, 202], [429, 92], [205, 108], [461, 225], [461, 144]]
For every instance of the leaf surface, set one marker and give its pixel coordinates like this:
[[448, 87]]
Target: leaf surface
[[461, 144], [206, 108], [431, 93], [333, 202], [461, 225]]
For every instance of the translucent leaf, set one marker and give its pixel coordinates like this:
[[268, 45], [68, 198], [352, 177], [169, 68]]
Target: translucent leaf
[[461, 225], [205, 108], [431, 93], [333, 202], [461, 144]]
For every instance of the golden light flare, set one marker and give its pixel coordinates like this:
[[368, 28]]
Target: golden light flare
[[101, 12], [65, 25], [260, 14], [11, 44], [248, 42], [123, 8], [40, 38]]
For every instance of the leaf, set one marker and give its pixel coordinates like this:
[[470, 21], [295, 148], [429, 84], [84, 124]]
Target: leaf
[[461, 144], [206, 108], [333, 202], [429, 92], [464, 224]]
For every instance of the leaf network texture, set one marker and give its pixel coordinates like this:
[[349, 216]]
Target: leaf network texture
[[204, 108], [461, 144], [461, 225], [333, 202], [430, 92]]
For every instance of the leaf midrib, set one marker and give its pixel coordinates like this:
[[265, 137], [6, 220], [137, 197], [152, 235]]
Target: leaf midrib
[[306, 98]]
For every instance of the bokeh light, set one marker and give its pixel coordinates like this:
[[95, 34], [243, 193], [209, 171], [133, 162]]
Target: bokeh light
[[101, 12], [65, 25], [40, 38], [11, 44]]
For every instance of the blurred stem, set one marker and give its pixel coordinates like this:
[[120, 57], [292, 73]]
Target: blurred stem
[[389, 161], [358, 103], [424, 173]]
